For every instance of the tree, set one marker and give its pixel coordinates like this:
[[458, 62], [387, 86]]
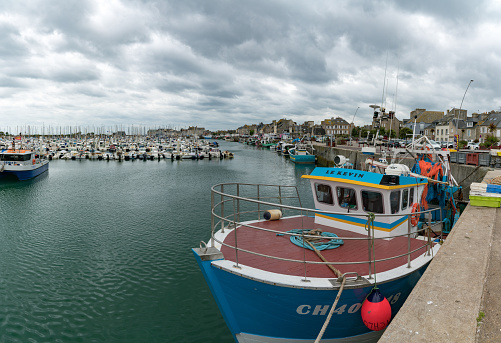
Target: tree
[[492, 128], [491, 140], [404, 132]]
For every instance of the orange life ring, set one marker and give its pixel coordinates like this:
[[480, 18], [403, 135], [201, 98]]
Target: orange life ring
[[415, 216], [33, 161]]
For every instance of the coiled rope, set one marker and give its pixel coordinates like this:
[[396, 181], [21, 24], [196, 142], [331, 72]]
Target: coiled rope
[[318, 242]]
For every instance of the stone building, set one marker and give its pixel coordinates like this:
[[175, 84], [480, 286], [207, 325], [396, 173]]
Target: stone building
[[285, 126], [195, 131], [246, 130], [336, 126], [445, 129], [490, 126], [425, 116], [457, 114], [471, 130], [421, 118]]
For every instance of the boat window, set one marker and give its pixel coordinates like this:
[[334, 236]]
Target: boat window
[[395, 201], [324, 193], [411, 196], [372, 202], [346, 197], [14, 158], [405, 197]]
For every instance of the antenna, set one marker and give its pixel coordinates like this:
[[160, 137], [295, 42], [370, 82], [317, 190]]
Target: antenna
[[395, 101], [384, 81]]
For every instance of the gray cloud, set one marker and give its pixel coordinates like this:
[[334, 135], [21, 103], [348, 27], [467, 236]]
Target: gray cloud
[[222, 64]]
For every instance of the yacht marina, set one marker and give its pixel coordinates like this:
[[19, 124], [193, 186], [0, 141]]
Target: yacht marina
[[127, 149]]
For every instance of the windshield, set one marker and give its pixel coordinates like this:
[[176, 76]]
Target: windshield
[[14, 158]]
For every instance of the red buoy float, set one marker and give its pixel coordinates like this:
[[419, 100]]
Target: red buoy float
[[376, 311]]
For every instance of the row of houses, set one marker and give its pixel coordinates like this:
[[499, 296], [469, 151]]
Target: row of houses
[[443, 127], [332, 127], [190, 131], [435, 125]]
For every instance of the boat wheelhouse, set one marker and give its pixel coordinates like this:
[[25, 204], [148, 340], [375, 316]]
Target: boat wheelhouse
[[357, 192], [22, 164]]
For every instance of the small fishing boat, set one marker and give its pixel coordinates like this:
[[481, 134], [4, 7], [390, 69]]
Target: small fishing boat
[[227, 154], [309, 274], [301, 154], [285, 148], [266, 143], [22, 164]]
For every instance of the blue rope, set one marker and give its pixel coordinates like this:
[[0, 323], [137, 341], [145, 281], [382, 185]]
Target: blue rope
[[333, 243]]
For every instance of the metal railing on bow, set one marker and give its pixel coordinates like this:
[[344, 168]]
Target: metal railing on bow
[[235, 206]]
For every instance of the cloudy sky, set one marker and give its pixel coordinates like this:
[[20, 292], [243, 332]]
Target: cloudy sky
[[222, 64]]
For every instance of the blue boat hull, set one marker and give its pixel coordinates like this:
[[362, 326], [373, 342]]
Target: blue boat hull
[[302, 158], [272, 313], [23, 175]]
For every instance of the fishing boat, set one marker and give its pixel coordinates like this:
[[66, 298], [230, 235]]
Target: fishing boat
[[284, 273], [21, 164], [266, 143], [285, 148], [301, 154]]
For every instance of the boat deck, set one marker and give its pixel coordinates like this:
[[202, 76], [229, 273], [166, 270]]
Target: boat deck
[[270, 243]]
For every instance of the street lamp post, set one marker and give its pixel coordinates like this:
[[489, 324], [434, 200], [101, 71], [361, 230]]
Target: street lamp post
[[460, 106]]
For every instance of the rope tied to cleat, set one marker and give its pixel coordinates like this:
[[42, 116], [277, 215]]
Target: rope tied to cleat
[[316, 238]]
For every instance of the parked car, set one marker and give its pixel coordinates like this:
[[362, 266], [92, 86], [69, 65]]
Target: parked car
[[473, 146], [390, 144], [448, 145], [395, 144], [433, 144]]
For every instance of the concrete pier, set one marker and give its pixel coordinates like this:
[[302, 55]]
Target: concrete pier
[[458, 299]]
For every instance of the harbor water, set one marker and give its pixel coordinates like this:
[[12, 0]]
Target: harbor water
[[100, 251]]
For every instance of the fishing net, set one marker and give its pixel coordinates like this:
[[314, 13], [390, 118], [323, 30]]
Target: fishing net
[[496, 180]]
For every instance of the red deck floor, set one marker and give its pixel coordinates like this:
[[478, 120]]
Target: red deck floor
[[352, 251]]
